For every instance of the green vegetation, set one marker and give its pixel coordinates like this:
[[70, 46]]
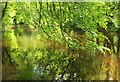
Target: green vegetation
[[61, 41]]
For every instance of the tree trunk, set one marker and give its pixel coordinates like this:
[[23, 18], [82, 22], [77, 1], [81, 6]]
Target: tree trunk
[[116, 62], [107, 66]]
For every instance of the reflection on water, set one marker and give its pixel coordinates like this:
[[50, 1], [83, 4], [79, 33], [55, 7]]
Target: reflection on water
[[38, 48], [33, 42]]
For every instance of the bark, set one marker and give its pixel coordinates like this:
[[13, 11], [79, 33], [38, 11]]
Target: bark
[[116, 62], [107, 66]]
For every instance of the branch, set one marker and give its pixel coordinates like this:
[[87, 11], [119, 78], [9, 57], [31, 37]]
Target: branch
[[10, 60], [4, 10]]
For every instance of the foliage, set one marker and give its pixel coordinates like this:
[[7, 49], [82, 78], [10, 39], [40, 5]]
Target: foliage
[[74, 25]]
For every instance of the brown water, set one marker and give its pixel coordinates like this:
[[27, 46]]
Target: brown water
[[10, 72]]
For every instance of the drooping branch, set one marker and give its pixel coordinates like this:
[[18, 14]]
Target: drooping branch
[[61, 28], [40, 17]]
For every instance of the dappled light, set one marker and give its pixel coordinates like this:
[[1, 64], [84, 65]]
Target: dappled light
[[60, 41]]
